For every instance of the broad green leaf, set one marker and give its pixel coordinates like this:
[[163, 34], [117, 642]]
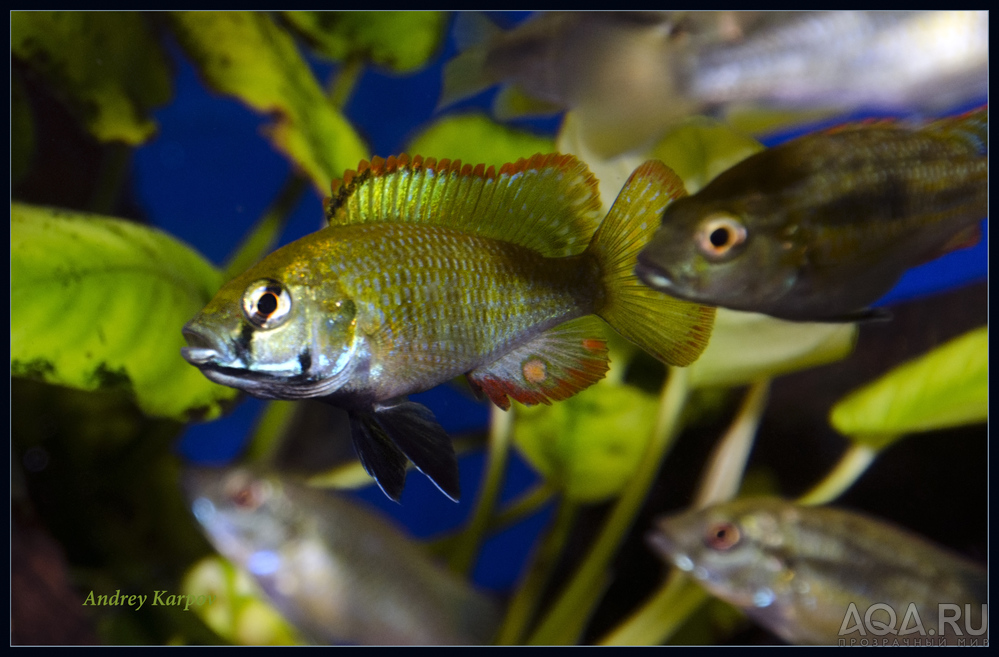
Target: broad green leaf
[[244, 54], [590, 444], [106, 66], [233, 605], [755, 120], [947, 387], [400, 40], [746, 347], [475, 139], [99, 303], [611, 172], [700, 148]]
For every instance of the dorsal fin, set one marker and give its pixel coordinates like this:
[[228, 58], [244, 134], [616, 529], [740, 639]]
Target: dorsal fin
[[971, 128], [549, 203]]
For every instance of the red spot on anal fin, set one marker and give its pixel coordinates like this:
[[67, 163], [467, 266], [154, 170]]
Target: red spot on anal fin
[[554, 366]]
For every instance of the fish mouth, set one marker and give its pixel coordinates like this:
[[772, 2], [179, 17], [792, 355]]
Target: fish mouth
[[660, 539], [655, 277], [201, 350]]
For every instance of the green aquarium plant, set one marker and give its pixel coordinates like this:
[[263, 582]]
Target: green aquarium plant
[[101, 396]]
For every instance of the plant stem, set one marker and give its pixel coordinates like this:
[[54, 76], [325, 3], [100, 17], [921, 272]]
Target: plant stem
[[270, 428], [341, 85], [851, 465], [522, 507], [724, 473], [115, 159], [265, 233], [661, 615], [467, 547], [583, 591], [525, 601]]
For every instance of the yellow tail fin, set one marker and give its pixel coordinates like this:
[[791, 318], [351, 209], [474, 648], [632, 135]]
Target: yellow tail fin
[[674, 331]]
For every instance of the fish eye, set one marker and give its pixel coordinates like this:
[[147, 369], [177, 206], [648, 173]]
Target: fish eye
[[267, 304], [249, 496], [719, 234], [722, 536]]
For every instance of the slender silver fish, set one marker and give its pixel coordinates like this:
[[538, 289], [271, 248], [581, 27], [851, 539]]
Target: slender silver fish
[[821, 575], [894, 60], [338, 572], [629, 75]]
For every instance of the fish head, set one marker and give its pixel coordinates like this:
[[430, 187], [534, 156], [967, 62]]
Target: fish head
[[247, 517], [723, 253], [731, 549], [284, 329]]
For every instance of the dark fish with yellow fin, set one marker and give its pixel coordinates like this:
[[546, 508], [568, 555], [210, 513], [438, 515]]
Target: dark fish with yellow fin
[[820, 227], [430, 269], [823, 575]]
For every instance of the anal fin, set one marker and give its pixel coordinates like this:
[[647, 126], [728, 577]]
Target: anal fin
[[413, 428], [553, 366]]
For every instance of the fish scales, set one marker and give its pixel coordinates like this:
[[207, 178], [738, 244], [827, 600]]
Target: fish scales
[[428, 270], [488, 295], [797, 569]]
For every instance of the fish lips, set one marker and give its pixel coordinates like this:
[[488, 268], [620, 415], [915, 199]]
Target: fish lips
[[203, 349], [657, 277]]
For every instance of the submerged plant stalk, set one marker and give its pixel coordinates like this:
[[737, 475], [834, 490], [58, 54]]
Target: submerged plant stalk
[[524, 604], [661, 616], [500, 430], [852, 464], [583, 591], [724, 474]]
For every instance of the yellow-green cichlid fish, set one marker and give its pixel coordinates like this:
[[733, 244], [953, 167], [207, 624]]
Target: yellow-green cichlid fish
[[428, 270], [338, 571], [820, 227], [811, 574]]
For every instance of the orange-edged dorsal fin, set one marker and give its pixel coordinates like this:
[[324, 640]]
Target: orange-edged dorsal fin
[[553, 366], [549, 203]]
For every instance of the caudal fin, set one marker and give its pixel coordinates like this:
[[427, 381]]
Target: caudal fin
[[674, 331]]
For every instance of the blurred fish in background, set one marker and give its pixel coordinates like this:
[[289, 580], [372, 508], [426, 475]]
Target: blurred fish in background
[[340, 573], [627, 76], [797, 569]]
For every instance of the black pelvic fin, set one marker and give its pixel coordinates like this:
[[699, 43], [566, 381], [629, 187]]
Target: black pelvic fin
[[378, 454], [417, 433]]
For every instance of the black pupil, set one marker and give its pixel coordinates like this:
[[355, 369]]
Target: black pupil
[[719, 237], [267, 304]]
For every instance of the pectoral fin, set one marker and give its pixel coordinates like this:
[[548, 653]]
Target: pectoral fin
[[553, 366], [413, 428]]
